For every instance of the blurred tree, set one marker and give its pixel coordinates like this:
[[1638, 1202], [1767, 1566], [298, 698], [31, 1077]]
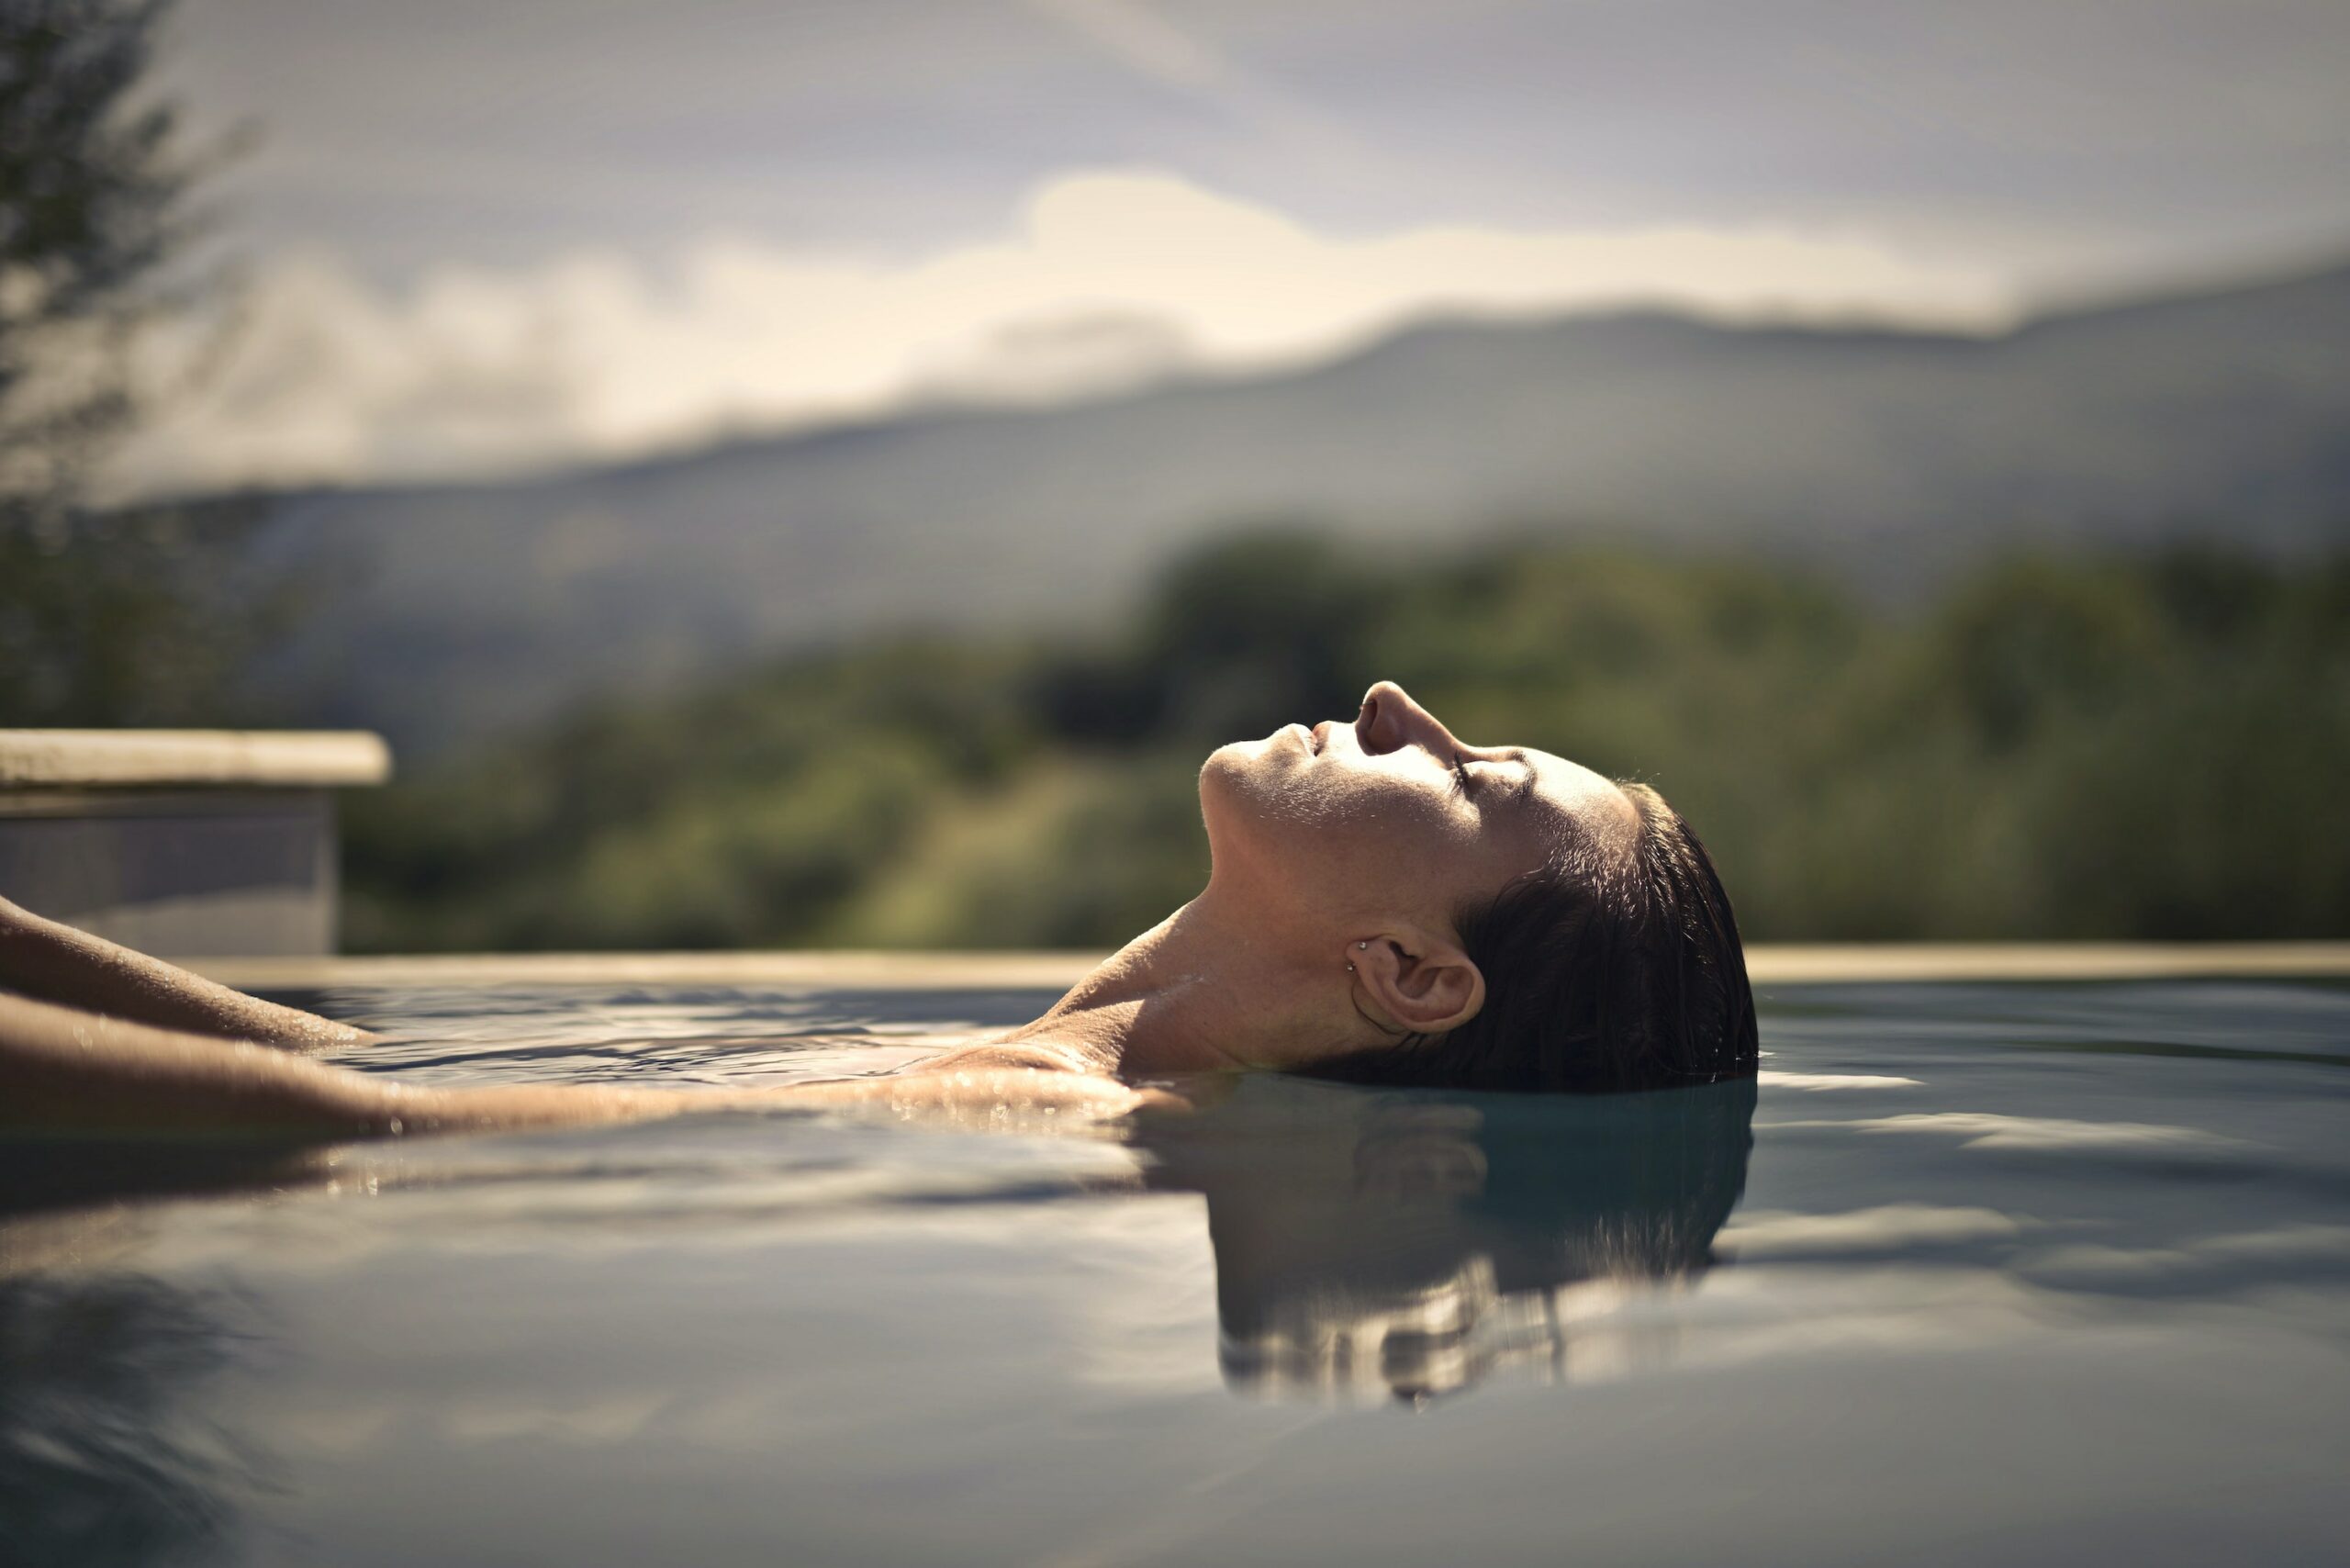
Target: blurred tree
[[93, 202], [1249, 633], [1241, 635], [134, 615], [2035, 640], [2113, 745]]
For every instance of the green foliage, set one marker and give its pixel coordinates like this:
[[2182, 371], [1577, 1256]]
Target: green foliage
[[148, 616], [1070, 849], [751, 811], [2133, 747]]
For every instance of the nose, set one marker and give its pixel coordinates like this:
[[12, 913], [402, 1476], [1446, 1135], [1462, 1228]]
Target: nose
[[1390, 721]]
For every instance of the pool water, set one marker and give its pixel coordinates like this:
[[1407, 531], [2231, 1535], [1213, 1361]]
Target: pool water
[[1981, 1274]]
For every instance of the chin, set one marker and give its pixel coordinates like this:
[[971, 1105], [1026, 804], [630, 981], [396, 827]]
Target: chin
[[1228, 770], [1239, 785]]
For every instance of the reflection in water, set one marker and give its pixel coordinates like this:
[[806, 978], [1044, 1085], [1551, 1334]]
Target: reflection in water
[[1400, 1242], [1412, 1243], [2128, 1288], [103, 1459], [99, 1464]]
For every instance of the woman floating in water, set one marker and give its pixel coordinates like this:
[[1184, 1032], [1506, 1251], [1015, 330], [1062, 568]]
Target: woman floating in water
[[1386, 905]]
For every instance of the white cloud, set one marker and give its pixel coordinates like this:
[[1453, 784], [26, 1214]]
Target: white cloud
[[1107, 280]]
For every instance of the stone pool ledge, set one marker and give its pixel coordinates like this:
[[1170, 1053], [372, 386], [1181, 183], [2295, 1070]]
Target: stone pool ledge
[[182, 841], [1872, 963]]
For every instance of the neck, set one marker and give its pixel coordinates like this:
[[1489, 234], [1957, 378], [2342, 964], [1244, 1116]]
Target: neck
[[1201, 991]]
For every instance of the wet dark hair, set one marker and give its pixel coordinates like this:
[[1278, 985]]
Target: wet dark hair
[[1422, 1271], [1608, 969]]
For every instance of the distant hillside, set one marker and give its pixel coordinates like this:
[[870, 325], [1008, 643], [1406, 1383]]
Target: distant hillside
[[456, 611]]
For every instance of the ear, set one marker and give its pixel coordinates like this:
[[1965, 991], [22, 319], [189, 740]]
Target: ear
[[1422, 980]]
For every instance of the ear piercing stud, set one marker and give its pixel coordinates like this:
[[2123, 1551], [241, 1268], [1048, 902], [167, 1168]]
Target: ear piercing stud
[[1363, 946]]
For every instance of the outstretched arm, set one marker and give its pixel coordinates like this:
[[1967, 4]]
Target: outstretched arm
[[49, 962], [61, 1069], [64, 1070]]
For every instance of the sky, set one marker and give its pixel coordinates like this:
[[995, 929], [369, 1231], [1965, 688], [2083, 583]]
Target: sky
[[488, 237]]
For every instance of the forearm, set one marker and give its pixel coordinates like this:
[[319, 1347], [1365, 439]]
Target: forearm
[[62, 1071], [49, 962], [65, 1069]]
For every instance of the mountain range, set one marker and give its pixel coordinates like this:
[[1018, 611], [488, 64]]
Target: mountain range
[[450, 613]]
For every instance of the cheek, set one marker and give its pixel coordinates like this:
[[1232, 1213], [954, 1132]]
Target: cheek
[[1331, 821]]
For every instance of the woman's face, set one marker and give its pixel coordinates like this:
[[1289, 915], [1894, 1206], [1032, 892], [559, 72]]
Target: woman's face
[[1393, 816]]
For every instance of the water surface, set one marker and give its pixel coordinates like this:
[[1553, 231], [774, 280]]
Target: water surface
[[2052, 1273]]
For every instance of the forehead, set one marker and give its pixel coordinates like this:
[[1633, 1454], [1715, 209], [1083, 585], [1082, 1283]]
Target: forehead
[[1575, 801]]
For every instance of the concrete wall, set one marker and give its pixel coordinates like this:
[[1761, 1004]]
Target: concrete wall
[[177, 873]]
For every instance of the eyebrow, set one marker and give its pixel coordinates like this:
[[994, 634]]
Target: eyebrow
[[1525, 785]]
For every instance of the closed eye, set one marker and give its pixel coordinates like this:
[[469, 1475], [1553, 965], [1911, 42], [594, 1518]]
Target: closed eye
[[1461, 780]]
